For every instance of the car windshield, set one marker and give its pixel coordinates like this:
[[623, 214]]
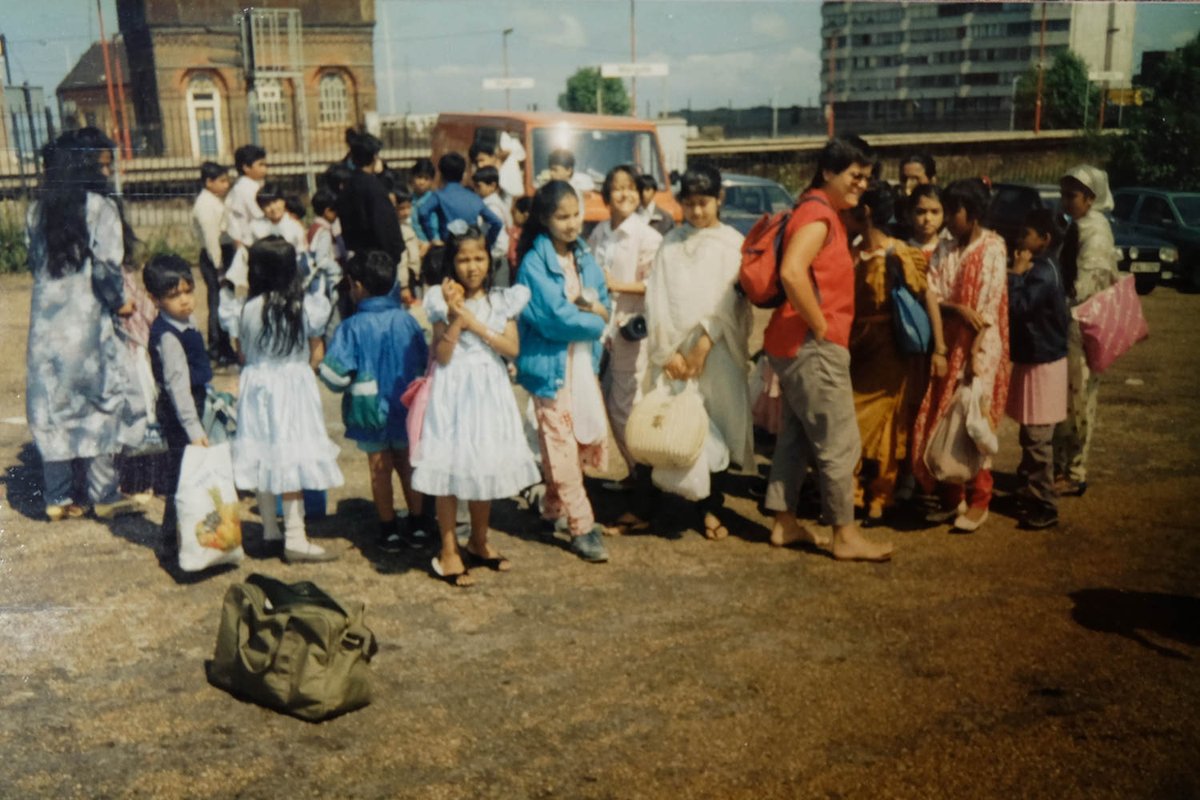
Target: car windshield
[[596, 151], [1189, 208]]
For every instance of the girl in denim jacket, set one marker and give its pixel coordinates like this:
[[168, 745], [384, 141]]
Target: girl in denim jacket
[[560, 331]]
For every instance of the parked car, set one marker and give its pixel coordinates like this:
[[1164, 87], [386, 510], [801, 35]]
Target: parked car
[[1146, 257], [748, 197], [1173, 216]]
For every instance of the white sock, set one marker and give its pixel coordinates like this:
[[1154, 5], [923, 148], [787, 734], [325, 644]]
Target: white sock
[[296, 538], [266, 510]]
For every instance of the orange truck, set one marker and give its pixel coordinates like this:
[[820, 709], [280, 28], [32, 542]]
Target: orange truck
[[598, 142]]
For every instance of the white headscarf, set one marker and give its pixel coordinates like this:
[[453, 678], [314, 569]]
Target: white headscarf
[[1096, 180]]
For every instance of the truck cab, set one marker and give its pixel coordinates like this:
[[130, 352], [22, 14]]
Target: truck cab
[[598, 143]]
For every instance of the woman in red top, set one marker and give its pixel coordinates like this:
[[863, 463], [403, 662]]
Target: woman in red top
[[807, 341]]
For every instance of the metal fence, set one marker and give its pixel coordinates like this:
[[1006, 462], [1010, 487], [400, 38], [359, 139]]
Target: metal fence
[[158, 175]]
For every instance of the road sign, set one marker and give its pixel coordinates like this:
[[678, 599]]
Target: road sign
[[639, 69], [508, 83]]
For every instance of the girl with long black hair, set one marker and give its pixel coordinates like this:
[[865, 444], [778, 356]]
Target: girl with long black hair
[[282, 446], [82, 400]]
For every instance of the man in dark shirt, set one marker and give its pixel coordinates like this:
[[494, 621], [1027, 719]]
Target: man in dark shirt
[[368, 218]]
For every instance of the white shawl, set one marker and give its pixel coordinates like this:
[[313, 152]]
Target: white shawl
[[691, 291]]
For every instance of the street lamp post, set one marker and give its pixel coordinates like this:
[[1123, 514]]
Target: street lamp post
[[1012, 111], [504, 49]]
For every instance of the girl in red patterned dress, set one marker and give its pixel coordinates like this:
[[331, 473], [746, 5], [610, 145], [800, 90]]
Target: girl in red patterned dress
[[968, 273]]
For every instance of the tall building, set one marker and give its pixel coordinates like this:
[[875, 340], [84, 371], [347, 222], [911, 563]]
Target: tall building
[[187, 85], [913, 66]]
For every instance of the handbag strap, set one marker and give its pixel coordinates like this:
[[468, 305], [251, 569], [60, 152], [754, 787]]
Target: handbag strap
[[287, 594]]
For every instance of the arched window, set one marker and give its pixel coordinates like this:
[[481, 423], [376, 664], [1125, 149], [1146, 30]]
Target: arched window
[[204, 117], [334, 99], [272, 103]]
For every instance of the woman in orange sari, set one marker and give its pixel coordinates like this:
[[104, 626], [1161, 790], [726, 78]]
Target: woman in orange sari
[[880, 373]]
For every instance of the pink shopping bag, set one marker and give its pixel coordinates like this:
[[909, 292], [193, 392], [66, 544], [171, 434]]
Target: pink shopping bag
[[416, 400], [1110, 322]]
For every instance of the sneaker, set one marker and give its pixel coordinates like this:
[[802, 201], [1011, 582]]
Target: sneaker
[[1039, 519], [1070, 488], [590, 546], [307, 553], [941, 514], [389, 539], [118, 508]]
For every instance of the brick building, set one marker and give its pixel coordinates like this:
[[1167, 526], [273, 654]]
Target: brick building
[[83, 93], [188, 88]]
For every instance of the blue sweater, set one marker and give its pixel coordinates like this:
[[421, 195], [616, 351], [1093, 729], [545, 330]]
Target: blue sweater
[[373, 357], [1037, 314], [550, 322]]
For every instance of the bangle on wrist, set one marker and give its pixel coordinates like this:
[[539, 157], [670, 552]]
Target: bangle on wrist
[[942, 352]]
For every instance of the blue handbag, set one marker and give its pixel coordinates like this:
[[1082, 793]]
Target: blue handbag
[[914, 334]]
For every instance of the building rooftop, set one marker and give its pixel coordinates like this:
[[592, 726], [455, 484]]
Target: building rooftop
[[88, 72]]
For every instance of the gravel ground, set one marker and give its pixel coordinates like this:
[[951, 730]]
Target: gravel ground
[[1058, 664]]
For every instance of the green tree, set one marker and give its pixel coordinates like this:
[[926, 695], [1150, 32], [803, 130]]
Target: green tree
[[1068, 101], [580, 95], [1161, 145]]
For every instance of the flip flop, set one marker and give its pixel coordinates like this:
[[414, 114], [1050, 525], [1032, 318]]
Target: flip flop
[[495, 563], [456, 580]]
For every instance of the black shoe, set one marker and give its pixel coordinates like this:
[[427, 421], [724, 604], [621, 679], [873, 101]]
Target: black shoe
[[421, 531], [1039, 520], [389, 539]]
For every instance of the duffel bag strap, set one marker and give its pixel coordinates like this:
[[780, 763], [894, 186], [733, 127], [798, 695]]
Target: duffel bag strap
[[302, 593]]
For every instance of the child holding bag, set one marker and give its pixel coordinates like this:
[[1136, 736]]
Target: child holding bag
[[281, 445], [560, 332], [179, 361], [472, 444], [624, 246], [968, 276], [699, 329], [1037, 398]]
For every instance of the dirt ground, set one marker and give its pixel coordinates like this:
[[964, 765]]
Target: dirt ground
[[1007, 663]]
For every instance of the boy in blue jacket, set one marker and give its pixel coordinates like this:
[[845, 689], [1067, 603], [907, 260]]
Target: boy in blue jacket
[[455, 201], [373, 357]]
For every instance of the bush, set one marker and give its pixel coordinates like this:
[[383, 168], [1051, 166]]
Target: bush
[[13, 255]]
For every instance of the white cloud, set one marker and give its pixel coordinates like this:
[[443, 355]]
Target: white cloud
[[543, 23], [770, 25]]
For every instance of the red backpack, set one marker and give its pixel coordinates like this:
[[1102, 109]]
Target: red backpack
[[762, 255]]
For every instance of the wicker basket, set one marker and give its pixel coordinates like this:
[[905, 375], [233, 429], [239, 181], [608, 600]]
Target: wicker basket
[[666, 428]]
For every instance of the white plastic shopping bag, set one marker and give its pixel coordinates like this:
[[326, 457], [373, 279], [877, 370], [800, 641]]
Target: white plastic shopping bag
[[953, 454], [206, 502]]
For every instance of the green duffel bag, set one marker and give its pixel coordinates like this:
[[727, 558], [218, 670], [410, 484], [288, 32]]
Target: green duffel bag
[[293, 648]]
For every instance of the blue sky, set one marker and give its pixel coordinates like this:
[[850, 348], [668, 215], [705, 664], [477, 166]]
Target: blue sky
[[742, 52]]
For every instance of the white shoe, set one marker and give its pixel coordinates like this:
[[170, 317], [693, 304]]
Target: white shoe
[[306, 552], [964, 523]]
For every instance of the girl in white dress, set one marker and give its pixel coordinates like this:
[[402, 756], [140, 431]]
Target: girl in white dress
[[473, 444], [281, 445], [624, 246]]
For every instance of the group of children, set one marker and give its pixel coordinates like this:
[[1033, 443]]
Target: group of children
[[1008, 321], [507, 289]]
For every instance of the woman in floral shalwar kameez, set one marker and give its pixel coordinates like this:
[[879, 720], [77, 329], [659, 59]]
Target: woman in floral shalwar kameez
[[82, 399]]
